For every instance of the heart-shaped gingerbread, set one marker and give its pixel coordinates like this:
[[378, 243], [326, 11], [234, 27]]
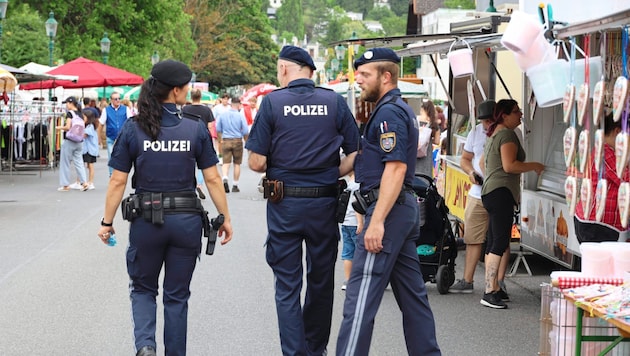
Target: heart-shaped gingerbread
[[600, 198], [586, 196], [570, 193], [583, 146], [567, 102], [598, 101], [621, 152], [569, 145], [623, 201], [620, 93], [598, 149]]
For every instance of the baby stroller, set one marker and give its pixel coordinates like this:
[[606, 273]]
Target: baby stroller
[[437, 246]]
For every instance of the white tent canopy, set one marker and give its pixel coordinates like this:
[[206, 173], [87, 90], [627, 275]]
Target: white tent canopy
[[35, 68]]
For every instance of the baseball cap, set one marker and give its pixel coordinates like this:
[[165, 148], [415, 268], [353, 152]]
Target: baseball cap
[[70, 99]]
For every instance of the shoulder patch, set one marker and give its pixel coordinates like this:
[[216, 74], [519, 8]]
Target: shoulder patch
[[388, 141]]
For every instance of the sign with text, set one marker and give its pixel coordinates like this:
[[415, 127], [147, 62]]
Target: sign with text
[[456, 187]]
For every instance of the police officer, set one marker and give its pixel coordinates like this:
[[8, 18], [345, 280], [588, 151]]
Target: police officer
[[295, 139], [163, 148], [386, 249]]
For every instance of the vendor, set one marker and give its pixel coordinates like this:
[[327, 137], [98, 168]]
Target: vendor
[[609, 229]]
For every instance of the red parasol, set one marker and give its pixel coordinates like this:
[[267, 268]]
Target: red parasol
[[91, 74], [257, 90]]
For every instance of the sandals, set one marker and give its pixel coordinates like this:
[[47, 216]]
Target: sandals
[[63, 189]]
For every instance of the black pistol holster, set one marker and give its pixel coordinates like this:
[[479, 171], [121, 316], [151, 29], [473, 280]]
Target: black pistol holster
[[152, 208], [343, 198], [359, 205], [131, 207], [273, 190]]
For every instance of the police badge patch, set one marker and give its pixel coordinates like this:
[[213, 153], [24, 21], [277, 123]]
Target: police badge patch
[[388, 141]]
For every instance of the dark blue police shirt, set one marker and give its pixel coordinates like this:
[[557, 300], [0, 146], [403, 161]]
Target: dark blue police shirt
[[300, 129], [391, 134], [126, 148]]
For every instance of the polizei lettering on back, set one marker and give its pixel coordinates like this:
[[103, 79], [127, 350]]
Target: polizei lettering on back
[[306, 110], [167, 146]]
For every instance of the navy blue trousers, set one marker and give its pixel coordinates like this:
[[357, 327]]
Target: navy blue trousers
[[294, 223], [174, 245], [399, 265]]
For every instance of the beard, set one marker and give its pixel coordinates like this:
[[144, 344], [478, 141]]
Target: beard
[[371, 95]]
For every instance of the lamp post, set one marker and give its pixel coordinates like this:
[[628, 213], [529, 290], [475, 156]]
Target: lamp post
[[51, 31], [491, 7], [105, 44], [340, 51], [155, 58], [3, 13]]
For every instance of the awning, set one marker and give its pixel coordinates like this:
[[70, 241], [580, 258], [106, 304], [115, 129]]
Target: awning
[[442, 46]]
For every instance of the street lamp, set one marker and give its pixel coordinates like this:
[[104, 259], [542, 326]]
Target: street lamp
[[105, 44], [491, 7], [3, 13], [340, 51], [155, 58], [51, 31]]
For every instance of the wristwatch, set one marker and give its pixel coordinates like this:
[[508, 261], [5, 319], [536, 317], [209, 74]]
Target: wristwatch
[[103, 223]]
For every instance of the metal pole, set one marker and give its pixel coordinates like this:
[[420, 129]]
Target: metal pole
[[51, 46]]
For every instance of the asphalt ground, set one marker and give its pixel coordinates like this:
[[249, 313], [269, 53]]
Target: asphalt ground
[[63, 292]]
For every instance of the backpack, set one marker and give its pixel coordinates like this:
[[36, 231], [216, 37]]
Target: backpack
[[77, 128]]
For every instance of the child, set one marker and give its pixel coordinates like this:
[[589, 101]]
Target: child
[[90, 144], [351, 226]]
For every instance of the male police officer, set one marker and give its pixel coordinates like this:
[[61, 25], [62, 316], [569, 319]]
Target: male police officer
[[166, 216], [296, 139], [386, 250]]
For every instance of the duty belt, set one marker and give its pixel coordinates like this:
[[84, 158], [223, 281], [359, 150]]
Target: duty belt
[[372, 196], [311, 192]]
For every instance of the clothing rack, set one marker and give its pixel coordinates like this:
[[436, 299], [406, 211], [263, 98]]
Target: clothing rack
[[28, 139]]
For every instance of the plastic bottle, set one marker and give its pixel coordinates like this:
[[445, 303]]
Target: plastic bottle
[[111, 241]]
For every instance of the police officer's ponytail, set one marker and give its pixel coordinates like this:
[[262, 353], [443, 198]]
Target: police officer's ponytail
[[152, 94]]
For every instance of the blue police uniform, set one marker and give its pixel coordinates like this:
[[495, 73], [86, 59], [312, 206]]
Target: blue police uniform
[[391, 134], [164, 165], [300, 129]]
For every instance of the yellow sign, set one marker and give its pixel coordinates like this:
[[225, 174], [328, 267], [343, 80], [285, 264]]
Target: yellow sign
[[456, 187]]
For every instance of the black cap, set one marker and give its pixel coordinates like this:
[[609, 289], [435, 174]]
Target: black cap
[[485, 109], [377, 55], [70, 99], [172, 73], [297, 55]]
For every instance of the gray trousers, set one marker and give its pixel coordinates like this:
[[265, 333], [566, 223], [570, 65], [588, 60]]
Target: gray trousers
[[71, 153]]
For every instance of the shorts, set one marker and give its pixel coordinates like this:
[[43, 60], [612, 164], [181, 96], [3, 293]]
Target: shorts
[[232, 150], [349, 236], [88, 158], [475, 221]]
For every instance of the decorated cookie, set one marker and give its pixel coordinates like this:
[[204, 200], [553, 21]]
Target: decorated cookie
[[582, 103], [621, 152], [568, 101], [598, 101], [583, 146], [598, 149], [623, 200], [600, 198], [619, 97], [570, 193], [569, 145], [586, 196]]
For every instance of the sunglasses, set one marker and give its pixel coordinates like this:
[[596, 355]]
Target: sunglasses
[[115, 98]]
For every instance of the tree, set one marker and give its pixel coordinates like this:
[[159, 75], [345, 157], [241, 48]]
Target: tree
[[399, 7], [23, 38], [316, 17], [290, 17], [459, 4]]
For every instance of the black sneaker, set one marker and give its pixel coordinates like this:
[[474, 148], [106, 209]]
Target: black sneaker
[[226, 186], [503, 295], [235, 189], [492, 300]]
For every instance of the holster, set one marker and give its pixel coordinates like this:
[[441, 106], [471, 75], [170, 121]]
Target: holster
[[273, 190], [343, 198], [359, 205], [131, 207], [152, 208]]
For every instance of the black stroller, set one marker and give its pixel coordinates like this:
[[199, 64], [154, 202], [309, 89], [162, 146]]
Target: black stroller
[[437, 246]]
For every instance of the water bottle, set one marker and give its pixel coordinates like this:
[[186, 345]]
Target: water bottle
[[111, 241]]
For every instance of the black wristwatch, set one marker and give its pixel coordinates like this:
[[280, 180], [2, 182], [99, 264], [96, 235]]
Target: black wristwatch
[[103, 223]]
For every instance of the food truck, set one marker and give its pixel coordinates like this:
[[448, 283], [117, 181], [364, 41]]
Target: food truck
[[547, 203]]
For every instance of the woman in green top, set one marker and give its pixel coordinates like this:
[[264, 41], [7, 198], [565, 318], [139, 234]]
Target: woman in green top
[[504, 161]]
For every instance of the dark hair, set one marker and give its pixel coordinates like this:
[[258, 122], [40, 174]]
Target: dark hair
[[610, 124], [91, 117], [429, 108], [503, 106], [152, 95]]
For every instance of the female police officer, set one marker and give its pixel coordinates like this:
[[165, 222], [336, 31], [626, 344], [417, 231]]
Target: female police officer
[[163, 149]]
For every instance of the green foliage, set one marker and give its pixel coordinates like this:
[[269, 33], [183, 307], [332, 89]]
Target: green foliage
[[360, 6], [290, 17], [378, 13], [399, 7], [23, 38], [394, 26], [459, 4]]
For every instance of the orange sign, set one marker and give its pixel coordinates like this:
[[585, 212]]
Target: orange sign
[[456, 187]]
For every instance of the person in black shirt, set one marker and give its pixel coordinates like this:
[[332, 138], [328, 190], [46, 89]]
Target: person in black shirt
[[197, 109]]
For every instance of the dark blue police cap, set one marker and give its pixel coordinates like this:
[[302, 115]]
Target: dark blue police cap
[[377, 55], [172, 73], [297, 55]]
